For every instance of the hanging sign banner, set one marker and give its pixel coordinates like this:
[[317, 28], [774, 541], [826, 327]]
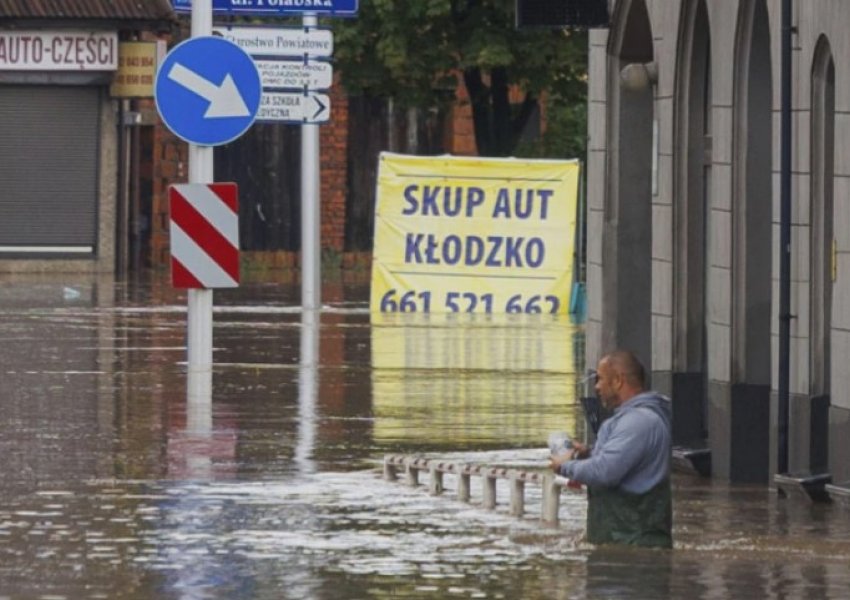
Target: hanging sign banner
[[137, 64], [478, 235]]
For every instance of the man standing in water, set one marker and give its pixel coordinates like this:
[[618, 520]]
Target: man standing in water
[[627, 472]]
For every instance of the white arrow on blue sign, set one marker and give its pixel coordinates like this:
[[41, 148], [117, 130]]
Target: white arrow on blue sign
[[208, 91], [326, 8]]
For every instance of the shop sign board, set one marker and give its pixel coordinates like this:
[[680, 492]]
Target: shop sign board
[[71, 50]]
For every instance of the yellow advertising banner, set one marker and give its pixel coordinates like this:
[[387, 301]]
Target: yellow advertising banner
[[137, 64], [477, 235]]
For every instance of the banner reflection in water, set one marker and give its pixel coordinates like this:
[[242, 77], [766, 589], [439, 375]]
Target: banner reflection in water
[[439, 378]]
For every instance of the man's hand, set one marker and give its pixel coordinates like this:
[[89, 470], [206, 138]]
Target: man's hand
[[555, 462], [580, 451]]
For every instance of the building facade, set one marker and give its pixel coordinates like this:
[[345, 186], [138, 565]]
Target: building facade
[[87, 171], [684, 218], [60, 149]]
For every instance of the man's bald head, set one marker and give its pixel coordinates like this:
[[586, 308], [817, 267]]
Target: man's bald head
[[626, 365]]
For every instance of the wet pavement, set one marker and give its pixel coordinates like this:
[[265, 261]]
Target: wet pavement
[[115, 486]]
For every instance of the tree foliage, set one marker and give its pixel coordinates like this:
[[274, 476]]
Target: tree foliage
[[414, 51]]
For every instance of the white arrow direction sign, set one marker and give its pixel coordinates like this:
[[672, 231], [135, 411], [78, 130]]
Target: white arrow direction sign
[[225, 99], [207, 91], [294, 107], [295, 74]]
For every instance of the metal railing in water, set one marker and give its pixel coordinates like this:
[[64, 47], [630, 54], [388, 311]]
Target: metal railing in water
[[410, 467]]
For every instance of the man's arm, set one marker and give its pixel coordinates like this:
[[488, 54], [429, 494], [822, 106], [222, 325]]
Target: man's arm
[[610, 463]]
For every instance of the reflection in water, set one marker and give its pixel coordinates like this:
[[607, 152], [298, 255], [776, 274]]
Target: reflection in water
[[196, 454], [482, 379], [199, 426], [307, 391], [119, 483]]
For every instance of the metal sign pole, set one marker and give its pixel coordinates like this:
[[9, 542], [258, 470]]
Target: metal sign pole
[[311, 280], [200, 302]]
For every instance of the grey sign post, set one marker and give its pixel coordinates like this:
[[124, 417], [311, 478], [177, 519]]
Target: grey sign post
[[294, 67]]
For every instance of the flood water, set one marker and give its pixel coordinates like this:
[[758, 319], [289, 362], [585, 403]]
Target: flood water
[[115, 486]]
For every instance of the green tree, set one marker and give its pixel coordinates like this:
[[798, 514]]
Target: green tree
[[414, 50]]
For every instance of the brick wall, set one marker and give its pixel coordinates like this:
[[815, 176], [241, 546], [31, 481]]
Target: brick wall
[[334, 171], [170, 165], [460, 132]]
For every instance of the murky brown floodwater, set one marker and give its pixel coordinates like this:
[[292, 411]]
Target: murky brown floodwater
[[115, 487]]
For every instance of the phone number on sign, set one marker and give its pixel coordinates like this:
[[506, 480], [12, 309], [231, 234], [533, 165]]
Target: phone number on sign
[[469, 302]]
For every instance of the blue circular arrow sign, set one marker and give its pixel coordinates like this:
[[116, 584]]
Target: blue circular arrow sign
[[208, 91]]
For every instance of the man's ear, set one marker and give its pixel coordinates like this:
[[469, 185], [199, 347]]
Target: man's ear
[[617, 380]]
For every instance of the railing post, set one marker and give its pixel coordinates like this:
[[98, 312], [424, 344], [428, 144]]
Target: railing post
[[517, 494], [517, 480], [390, 472], [463, 484], [551, 500], [411, 473], [435, 484], [488, 482]]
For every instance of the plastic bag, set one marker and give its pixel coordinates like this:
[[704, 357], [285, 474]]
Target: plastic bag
[[559, 443]]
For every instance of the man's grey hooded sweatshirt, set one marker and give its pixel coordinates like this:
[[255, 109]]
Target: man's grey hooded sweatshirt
[[632, 450]]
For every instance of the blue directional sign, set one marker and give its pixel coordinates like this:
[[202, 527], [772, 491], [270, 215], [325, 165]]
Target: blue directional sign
[[325, 8], [208, 91]]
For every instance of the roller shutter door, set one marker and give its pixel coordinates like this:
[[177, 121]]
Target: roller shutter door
[[48, 169]]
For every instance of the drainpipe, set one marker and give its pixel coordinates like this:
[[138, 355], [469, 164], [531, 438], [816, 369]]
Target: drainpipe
[[121, 212], [784, 245]]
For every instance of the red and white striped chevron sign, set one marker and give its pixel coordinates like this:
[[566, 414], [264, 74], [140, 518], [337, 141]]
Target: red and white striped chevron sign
[[204, 235]]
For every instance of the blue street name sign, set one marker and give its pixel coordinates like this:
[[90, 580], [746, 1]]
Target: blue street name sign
[[208, 91], [325, 8]]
